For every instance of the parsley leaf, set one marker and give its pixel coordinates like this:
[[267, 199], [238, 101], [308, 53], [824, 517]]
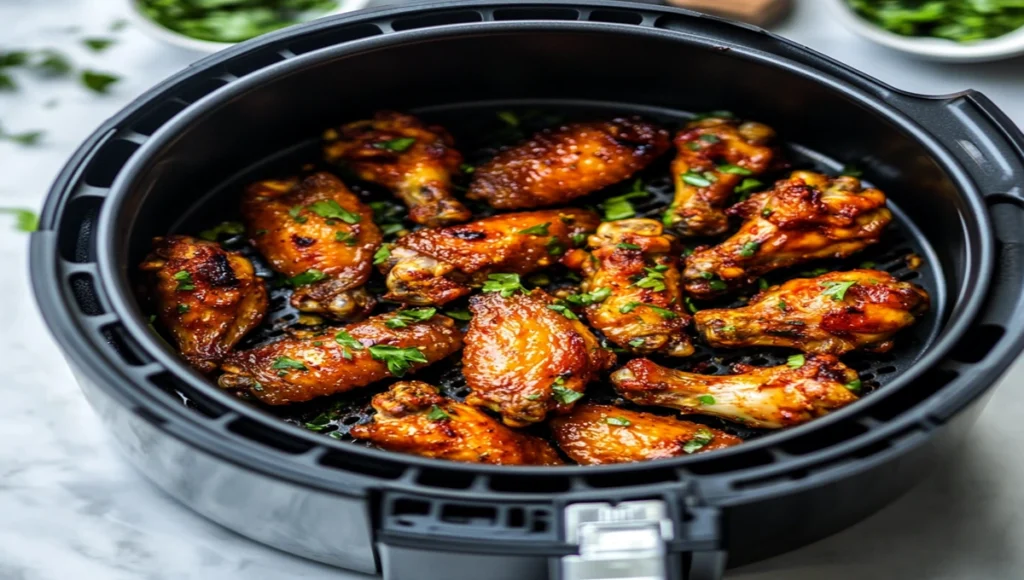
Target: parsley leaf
[[588, 298], [307, 277], [397, 145], [509, 118], [346, 341], [662, 312], [283, 363], [854, 385], [796, 361], [734, 169], [538, 230], [505, 284], [563, 395], [618, 207], [629, 307], [461, 314], [654, 280], [185, 281], [636, 342], [383, 254], [706, 400], [347, 238], [696, 179], [628, 246], [555, 248], [836, 290], [330, 209], [294, 212], [749, 249], [437, 414], [228, 228], [399, 360], [403, 318], [618, 421], [699, 441], [564, 311]]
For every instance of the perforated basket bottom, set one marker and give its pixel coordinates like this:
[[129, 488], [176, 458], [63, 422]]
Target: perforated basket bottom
[[479, 131]]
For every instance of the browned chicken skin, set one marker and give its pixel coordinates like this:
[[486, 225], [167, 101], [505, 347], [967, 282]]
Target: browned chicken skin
[[340, 359], [523, 359], [208, 298], [601, 434], [435, 266], [318, 233], [832, 314], [414, 161], [766, 397], [713, 156], [412, 417], [806, 217], [556, 166], [632, 284]]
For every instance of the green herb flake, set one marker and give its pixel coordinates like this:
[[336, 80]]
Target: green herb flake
[[693, 146], [619, 207], [796, 361], [51, 63], [505, 284], [701, 438], [118, 25], [284, 363], [347, 238], [347, 342], [662, 312], [554, 247], [749, 249], [767, 212], [853, 171], [437, 414], [734, 169], [98, 44], [868, 265], [837, 290], [706, 400], [226, 228], [399, 360], [854, 385], [636, 342], [25, 220], [183, 308], [579, 239], [588, 298], [383, 254], [690, 305], [397, 145], [747, 185], [762, 284], [538, 230], [185, 281], [629, 307], [618, 421], [98, 82], [330, 209], [783, 307], [563, 395], [718, 285], [709, 138], [654, 280], [509, 118], [564, 311], [402, 318], [628, 246], [532, 397], [461, 314], [318, 343], [467, 168], [306, 278], [294, 212], [695, 179]]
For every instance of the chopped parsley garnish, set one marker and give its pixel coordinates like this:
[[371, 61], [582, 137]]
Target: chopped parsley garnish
[[693, 146], [762, 284], [796, 361], [403, 318], [538, 230], [540, 279], [437, 414], [347, 238], [382, 254], [307, 277], [183, 308], [662, 312], [636, 342], [706, 400], [564, 311], [749, 249], [579, 239], [185, 281], [505, 284], [707, 275], [618, 207], [98, 82], [851, 171], [346, 341], [555, 248], [467, 168], [321, 421], [563, 395], [728, 328], [836, 290], [532, 397], [628, 246], [690, 305], [854, 385], [283, 364], [783, 306], [399, 360], [708, 138], [719, 114], [700, 440], [767, 212], [734, 169], [868, 265], [24, 220], [509, 118], [388, 217], [588, 298], [294, 212], [654, 280], [747, 185], [330, 209], [397, 145], [698, 179], [228, 228], [618, 421], [461, 314], [718, 285], [629, 307]]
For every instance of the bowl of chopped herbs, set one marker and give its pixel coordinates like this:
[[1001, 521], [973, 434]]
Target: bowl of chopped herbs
[[950, 30], [210, 25]]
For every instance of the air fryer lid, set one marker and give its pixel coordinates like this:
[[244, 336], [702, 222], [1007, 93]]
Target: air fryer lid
[[946, 162]]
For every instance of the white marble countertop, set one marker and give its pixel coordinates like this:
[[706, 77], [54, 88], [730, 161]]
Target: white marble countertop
[[70, 507]]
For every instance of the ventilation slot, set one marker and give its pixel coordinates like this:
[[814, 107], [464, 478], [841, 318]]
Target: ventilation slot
[[253, 62], [375, 467], [441, 19], [626, 479], [515, 518], [333, 37], [196, 401], [732, 463], [536, 13], [406, 511], [772, 479], [531, 484], [158, 117], [269, 437], [977, 343], [124, 345], [199, 88], [824, 438], [446, 479], [912, 394], [469, 515], [617, 16], [77, 228], [84, 291], [108, 162]]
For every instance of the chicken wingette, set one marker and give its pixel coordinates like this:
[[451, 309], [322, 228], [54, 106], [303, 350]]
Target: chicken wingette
[[559, 165], [765, 397], [832, 314], [412, 417], [601, 434], [806, 217], [435, 266], [341, 359], [713, 157], [414, 161], [632, 292], [527, 355], [208, 298], [318, 234]]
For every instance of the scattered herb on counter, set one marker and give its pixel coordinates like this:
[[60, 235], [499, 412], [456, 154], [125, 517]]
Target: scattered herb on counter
[[957, 20], [231, 20], [403, 318], [98, 82], [27, 138], [399, 360], [118, 25], [98, 44]]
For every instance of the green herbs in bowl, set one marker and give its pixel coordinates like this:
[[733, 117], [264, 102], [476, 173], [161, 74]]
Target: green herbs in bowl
[[957, 20], [229, 21]]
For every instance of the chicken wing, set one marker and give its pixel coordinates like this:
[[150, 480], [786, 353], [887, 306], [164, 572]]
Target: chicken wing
[[208, 298], [831, 314], [318, 233], [523, 358], [341, 359], [765, 397], [713, 156], [805, 217], [601, 434], [412, 417], [556, 166], [632, 292], [435, 266], [414, 161]]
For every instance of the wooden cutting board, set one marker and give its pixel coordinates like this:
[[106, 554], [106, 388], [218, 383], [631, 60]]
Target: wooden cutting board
[[756, 12]]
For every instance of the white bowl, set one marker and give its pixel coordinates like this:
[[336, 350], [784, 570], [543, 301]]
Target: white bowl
[[1006, 46], [159, 32]]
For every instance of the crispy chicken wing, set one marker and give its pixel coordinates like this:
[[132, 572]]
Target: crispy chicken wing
[[524, 359], [831, 314], [600, 434], [556, 166], [208, 298], [414, 161], [632, 291], [713, 156], [766, 397], [341, 359], [434, 266], [412, 417], [318, 233], [805, 217]]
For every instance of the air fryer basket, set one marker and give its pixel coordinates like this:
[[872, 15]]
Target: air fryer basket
[[951, 165]]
